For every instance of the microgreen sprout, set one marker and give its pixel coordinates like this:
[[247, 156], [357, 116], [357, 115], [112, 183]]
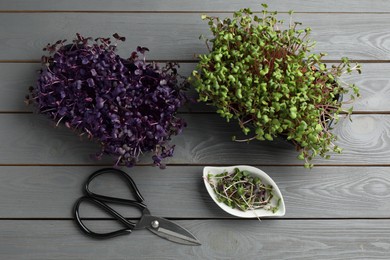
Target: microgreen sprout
[[128, 105], [240, 190], [263, 74]]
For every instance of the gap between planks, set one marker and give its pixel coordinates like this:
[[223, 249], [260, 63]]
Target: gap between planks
[[169, 12], [212, 113], [196, 61], [190, 219], [188, 165]]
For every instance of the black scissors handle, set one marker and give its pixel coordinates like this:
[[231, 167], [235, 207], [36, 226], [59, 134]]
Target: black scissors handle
[[98, 200], [129, 181], [128, 224]]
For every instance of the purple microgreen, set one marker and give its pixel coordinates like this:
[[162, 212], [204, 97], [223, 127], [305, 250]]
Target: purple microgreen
[[128, 106], [142, 49], [118, 37]]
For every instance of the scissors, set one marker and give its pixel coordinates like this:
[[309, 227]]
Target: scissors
[[159, 226]]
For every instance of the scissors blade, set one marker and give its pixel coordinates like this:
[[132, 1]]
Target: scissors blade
[[170, 231]]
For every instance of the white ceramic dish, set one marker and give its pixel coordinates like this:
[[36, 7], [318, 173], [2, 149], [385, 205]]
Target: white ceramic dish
[[250, 213]]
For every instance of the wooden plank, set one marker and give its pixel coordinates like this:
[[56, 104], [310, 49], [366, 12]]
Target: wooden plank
[[358, 36], [374, 87], [197, 6], [221, 239], [178, 192], [374, 84], [15, 81], [210, 143], [32, 139]]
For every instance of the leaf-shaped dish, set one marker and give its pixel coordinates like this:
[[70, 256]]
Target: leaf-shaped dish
[[249, 213]]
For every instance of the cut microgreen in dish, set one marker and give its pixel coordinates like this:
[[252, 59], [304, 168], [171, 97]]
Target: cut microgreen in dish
[[241, 190]]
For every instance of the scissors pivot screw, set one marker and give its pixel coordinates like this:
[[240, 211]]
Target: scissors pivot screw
[[155, 224]]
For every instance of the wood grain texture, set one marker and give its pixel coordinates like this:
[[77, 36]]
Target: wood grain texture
[[15, 81], [357, 36], [33, 139], [199, 5], [374, 85], [179, 192], [222, 239], [338, 210]]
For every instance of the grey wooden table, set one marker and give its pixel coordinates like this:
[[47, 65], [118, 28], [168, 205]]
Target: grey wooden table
[[338, 210]]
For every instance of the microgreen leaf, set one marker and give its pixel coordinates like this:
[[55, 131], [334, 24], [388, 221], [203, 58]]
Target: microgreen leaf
[[264, 75], [128, 106]]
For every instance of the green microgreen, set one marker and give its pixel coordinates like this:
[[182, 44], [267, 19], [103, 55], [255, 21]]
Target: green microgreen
[[263, 74]]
